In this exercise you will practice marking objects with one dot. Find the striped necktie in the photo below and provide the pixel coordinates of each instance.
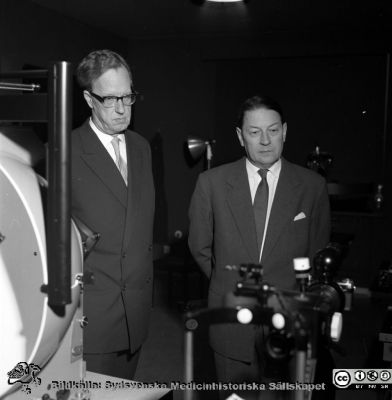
(121, 164)
(260, 205)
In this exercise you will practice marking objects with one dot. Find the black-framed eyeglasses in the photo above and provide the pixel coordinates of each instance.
(111, 101)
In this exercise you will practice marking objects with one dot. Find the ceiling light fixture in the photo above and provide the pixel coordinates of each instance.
(202, 2)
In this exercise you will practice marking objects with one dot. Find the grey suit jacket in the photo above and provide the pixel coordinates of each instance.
(223, 232)
(118, 301)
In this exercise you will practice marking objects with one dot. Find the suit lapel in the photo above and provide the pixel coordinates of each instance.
(282, 211)
(98, 159)
(135, 168)
(240, 204)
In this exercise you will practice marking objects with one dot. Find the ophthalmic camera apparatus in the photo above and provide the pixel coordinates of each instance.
(297, 322)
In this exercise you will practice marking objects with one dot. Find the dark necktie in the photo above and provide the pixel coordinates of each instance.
(260, 205)
(121, 164)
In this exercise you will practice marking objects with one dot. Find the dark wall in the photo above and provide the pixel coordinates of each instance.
(34, 35)
(335, 102)
(177, 100)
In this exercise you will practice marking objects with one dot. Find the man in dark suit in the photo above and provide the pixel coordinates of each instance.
(226, 226)
(113, 195)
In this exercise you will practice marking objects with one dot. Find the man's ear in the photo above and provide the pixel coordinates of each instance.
(239, 135)
(284, 131)
(88, 98)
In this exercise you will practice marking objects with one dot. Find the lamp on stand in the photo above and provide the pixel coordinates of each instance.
(198, 147)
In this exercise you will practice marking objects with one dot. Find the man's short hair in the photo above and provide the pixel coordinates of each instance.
(256, 102)
(97, 63)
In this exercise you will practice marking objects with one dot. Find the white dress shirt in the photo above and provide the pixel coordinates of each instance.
(272, 180)
(106, 140)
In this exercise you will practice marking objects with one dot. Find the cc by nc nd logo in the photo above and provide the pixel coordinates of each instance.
(341, 378)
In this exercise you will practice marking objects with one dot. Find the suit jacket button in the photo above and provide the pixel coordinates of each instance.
(150, 247)
(123, 255)
(124, 287)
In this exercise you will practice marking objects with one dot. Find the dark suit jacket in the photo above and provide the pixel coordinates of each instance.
(118, 301)
(222, 232)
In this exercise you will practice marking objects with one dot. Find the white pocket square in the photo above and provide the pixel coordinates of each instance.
(301, 215)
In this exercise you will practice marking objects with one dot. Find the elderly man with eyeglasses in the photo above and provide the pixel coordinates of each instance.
(113, 195)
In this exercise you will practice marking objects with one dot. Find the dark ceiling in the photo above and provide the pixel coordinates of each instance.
(173, 18)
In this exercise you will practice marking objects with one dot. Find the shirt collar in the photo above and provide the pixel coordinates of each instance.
(104, 137)
(274, 168)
